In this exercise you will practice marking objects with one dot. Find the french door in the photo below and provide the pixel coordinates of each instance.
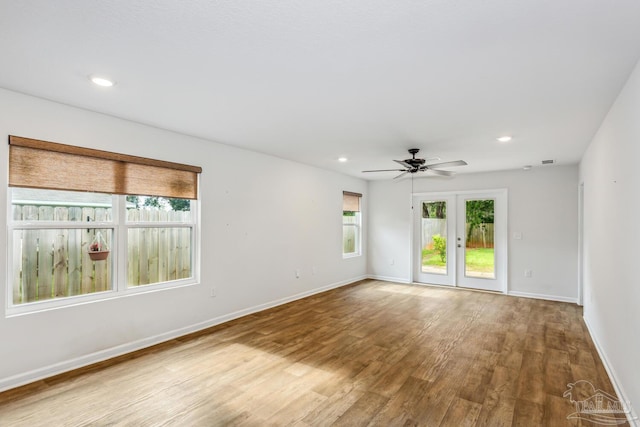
(460, 239)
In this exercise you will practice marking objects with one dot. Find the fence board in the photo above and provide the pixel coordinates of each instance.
(87, 284)
(163, 247)
(17, 257)
(143, 276)
(480, 237)
(173, 239)
(163, 254)
(152, 245)
(46, 239)
(102, 270)
(186, 253)
(29, 257)
(75, 254)
(60, 254)
(133, 243)
(431, 227)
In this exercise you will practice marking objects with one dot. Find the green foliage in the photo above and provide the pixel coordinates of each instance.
(440, 245)
(477, 260)
(135, 200)
(431, 258)
(152, 202)
(434, 210)
(479, 212)
(480, 260)
(160, 202)
(180, 204)
(348, 213)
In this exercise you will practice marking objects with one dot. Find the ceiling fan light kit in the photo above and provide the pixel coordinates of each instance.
(414, 165)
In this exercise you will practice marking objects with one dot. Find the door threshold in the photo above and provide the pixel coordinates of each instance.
(460, 288)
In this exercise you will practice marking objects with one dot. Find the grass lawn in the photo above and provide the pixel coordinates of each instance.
(480, 260)
(432, 258)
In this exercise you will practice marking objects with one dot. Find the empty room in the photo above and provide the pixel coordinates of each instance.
(316, 213)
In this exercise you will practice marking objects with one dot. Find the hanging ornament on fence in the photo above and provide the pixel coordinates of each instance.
(98, 249)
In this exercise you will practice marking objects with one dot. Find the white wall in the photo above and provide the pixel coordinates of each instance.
(262, 218)
(611, 175)
(543, 206)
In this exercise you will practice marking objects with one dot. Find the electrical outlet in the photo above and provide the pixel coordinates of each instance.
(297, 273)
(528, 273)
(213, 292)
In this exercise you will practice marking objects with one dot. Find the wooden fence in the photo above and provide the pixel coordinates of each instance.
(349, 230)
(481, 236)
(54, 262)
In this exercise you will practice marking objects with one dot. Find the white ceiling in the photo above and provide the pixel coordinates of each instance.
(314, 80)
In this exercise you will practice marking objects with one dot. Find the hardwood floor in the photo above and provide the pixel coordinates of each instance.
(373, 353)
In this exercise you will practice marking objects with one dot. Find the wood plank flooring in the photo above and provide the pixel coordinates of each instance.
(373, 353)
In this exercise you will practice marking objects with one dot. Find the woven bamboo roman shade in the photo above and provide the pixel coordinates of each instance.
(49, 165)
(351, 201)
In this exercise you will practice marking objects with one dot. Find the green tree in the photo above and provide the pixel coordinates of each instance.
(478, 212)
(153, 202)
(135, 200)
(434, 210)
(180, 204)
(160, 203)
(440, 245)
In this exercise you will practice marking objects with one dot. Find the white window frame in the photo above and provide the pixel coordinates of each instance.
(119, 244)
(358, 231)
(358, 236)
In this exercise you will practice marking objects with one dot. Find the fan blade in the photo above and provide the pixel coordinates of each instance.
(401, 175)
(440, 173)
(403, 163)
(385, 170)
(447, 164)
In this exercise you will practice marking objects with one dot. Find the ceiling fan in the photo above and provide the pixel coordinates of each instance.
(414, 165)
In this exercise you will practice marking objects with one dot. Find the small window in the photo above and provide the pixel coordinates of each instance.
(159, 239)
(78, 231)
(51, 233)
(351, 224)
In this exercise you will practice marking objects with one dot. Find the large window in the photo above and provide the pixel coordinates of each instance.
(351, 224)
(66, 246)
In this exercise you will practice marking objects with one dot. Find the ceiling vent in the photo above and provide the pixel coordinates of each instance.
(548, 162)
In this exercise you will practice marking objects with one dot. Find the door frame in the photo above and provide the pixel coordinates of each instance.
(450, 278)
(501, 231)
(580, 244)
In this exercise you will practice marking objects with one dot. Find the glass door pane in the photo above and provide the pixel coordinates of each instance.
(479, 253)
(434, 237)
(434, 252)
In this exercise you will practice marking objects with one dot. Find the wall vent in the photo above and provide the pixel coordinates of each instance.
(548, 162)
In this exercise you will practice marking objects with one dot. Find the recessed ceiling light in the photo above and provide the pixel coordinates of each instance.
(342, 159)
(101, 81)
(504, 138)
(527, 167)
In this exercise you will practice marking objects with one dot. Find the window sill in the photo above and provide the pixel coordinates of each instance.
(354, 255)
(55, 304)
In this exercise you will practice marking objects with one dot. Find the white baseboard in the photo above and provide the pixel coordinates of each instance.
(110, 353)
(389, 279)
(633, 416)
(542, 296)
